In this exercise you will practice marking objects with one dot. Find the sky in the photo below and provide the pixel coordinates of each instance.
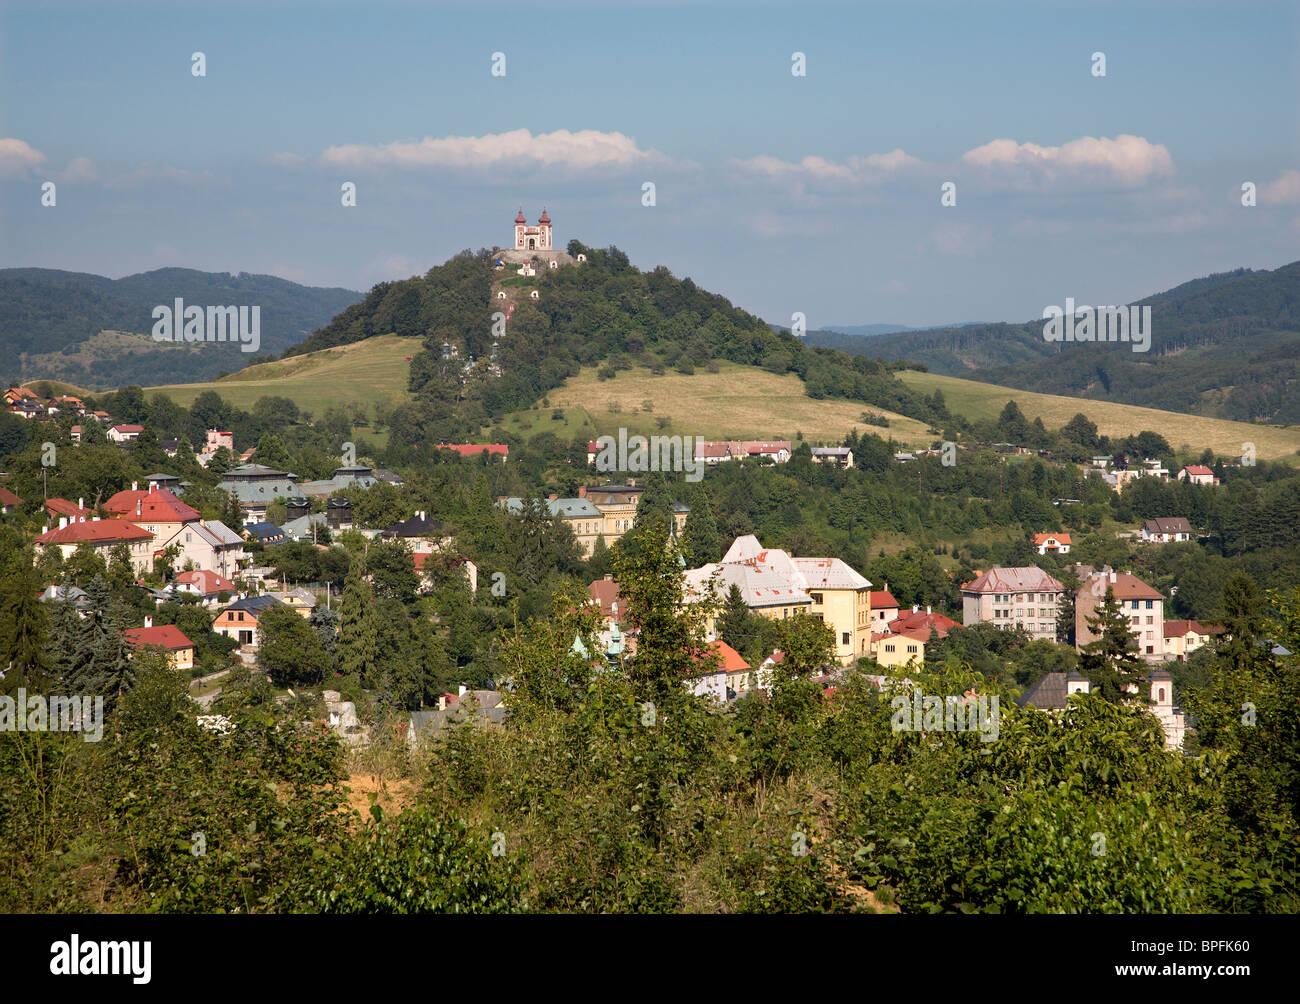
(817, 193)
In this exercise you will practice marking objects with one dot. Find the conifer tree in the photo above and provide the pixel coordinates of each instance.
(1111, 661)
(23, 630)
(703, 543)
(358, 644)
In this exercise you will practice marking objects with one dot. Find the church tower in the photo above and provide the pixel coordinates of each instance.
(536, 238)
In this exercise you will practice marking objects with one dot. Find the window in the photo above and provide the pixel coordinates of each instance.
(844, 638)
(911, 648)
(1150, 619)
(1148, 604)
(1161, 695)
(889, 648)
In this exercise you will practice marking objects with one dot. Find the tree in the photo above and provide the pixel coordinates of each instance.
(23, 630)
(703, 544)
(1111, 661)
(358, 645)
(290, 648)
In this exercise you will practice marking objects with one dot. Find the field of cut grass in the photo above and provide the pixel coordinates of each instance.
(366, 372)
(737, 402)
(1193, 432)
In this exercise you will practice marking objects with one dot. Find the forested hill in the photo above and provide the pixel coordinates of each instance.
(50, 320)
(602, 311)
(1226, 345)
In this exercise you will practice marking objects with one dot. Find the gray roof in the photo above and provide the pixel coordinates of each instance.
(570, 507)
(1049, 692)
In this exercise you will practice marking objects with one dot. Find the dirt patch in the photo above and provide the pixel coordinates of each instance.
(390, 795)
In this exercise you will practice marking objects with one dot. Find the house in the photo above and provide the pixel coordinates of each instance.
(301, 600)
(841, 456)
(170, 638)
(1024, 596)
(168, 481)
(207, 585)
(384, 474)
(1166, 529)
(1197, 474)
(217, 438)
(124, 433)
(927, 621)
(725, 673)
(1051, 694)
(1142, 605)
(473, 449)
(211, 545)
(239, 620)
(605, 594)
(899, 648)
(1182, 638)
(305, 527)
(26, 409)
(884, 608)
(8, 501)
(266, 534)
(356, 475)
(102, 535)
(205, 544)
(256, 486)
(66, 594)
(481, 707)
(775, 584)
(1052, 543)
(423, 535)
(57, 507)
(607, 510)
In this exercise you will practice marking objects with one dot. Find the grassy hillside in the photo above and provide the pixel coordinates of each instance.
(364, 372)
(737, 402)
(982, 400)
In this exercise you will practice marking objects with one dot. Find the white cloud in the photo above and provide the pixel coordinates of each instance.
(586, 149)
(18, 159)
(855, 170)
(1284, 191)
(1125, 160)
(79, 171)
(958, 238)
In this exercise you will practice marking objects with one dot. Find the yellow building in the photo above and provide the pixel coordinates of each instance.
(776, 585)
(899, 649)
(607, 510)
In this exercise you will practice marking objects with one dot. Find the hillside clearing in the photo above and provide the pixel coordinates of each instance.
(983, 400)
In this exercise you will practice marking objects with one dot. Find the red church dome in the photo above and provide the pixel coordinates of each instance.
(544, 218)
(520, 217)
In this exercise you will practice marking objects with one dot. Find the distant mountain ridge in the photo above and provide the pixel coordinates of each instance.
(50, 323)
(1225, 345)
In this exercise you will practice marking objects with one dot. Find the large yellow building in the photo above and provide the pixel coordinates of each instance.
(605, 510)
(777, 585)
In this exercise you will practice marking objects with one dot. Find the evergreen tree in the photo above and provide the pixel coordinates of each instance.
(734, 621)
(600, 563)
(654, 513)
(1111, 661)
(358, 644)
(23, 630)
(703, 543)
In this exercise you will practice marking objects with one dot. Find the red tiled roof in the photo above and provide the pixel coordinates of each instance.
(9, 498)
(1043, 538)
(921, 621)
(469, 449)
(208, 583)
(169, 636)
(159, 505)
(94, 531)
(606, 593)
(1198, 469)
(882, 598)
(1177, 629)
(732, 661)
(1130, 587)
(1029, 578)
(62, 507)
(129, 428)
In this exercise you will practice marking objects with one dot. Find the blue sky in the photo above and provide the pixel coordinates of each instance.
(818, 194)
